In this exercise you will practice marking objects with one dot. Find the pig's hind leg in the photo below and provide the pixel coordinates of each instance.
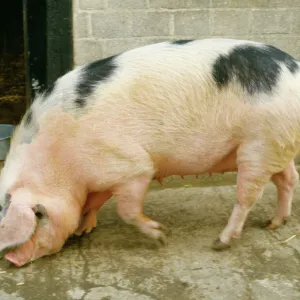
(285, 182)
(130, 197)
(251, 178)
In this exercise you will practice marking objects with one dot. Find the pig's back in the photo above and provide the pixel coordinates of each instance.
(213, 88)
(195, 101)
(209, 64)
(167, 91)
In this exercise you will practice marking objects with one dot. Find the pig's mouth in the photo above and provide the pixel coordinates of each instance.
(19, 240)
(22, 254)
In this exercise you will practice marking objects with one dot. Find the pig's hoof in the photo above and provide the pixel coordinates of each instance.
(88, 223)
(236, 234)
(219, 245)
(156, 231)
(167, 231)
(270, 225)
(81, 232)
(160, 235)
(273, 224)
(161, 239)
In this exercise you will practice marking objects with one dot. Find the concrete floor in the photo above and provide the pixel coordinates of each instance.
(115, 262)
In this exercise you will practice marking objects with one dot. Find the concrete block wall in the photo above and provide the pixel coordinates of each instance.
(106, 27)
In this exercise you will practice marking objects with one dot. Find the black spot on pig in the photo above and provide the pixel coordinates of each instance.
(181, 42)
(31, 126)
(80, 102)
(5, 206)
(48, 91)
(284, 58)
(256, 69)
(93, 73)
(28, 118)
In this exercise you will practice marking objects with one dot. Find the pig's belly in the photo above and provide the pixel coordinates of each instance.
(199, 164)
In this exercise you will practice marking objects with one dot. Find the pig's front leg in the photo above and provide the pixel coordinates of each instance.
(88, 222)
(89, 213)
(285, 183)
(130, 197)
(250, 184)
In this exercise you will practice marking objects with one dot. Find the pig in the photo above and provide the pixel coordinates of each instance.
(109, 127)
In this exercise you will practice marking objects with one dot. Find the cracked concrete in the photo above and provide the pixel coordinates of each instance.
(115, 262)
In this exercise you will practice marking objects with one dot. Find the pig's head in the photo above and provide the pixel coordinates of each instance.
(32, 226)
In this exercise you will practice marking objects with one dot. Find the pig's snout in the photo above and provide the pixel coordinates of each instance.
(30, 229)
(21, 255)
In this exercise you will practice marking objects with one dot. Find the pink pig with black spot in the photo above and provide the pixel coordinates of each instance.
(174, 108)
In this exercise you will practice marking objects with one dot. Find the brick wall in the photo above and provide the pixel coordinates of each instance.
(107, 27)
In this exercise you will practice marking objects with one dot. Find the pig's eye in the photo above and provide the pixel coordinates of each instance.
(40, 211)
(39, 215)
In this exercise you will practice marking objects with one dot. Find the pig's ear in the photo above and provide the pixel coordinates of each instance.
(40, 211)
(16, 226)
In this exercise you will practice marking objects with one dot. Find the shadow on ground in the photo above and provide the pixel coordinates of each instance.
(116, 262)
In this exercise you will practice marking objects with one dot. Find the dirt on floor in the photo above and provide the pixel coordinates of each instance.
(115, 262)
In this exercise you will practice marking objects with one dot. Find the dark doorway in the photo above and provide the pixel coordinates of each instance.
(12, 63)
(36, 47)
(48, 42)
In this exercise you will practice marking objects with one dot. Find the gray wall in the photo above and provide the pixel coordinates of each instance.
(107, 27)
